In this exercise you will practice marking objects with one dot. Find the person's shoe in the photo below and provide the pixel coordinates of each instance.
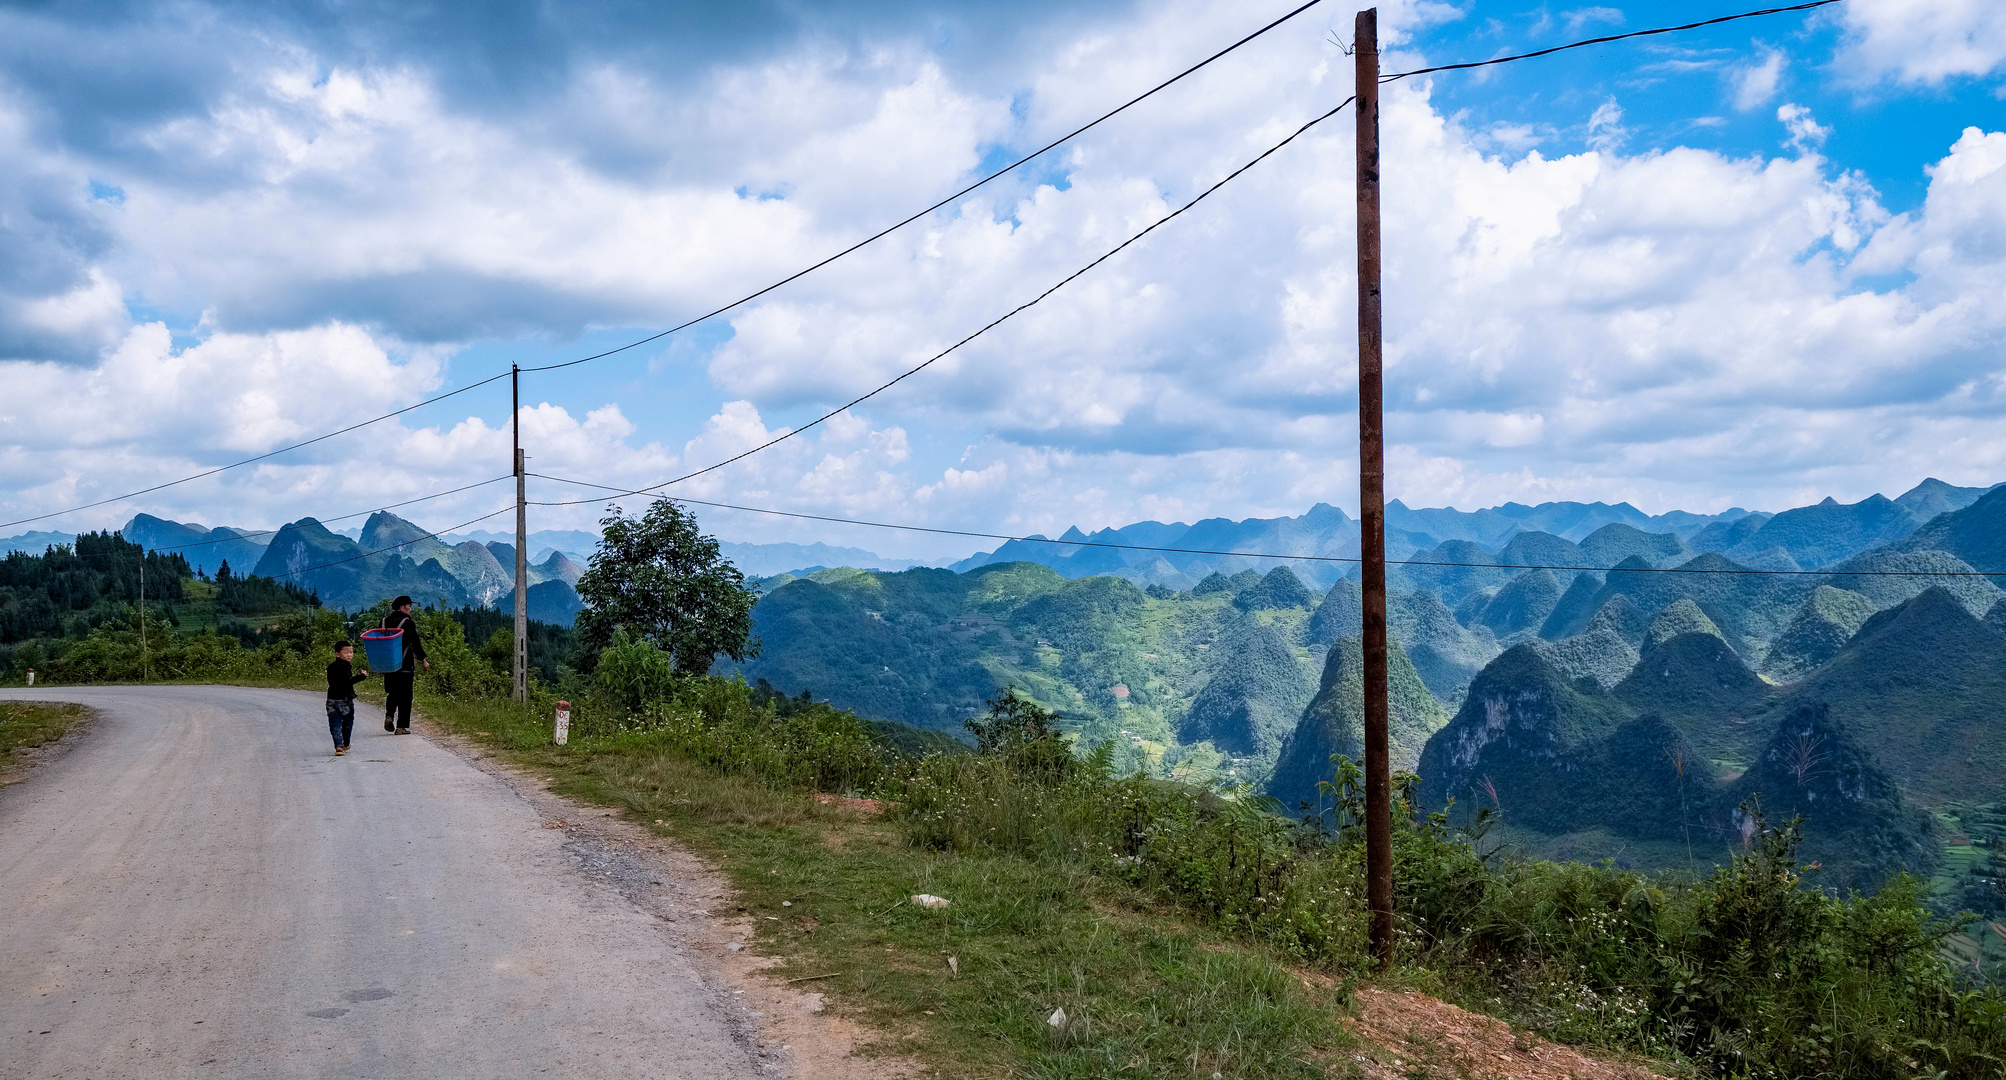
(387, 725)
(340, 750)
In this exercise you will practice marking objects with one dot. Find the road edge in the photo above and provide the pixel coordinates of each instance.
(705, 916)
(26, 760)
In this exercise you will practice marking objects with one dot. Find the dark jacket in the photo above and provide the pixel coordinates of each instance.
(341, 680)
(414, 650)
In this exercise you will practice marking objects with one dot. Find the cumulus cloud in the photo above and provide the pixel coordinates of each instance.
(1671, 326)
(55, 298)
(1924, 41)
(149, 411)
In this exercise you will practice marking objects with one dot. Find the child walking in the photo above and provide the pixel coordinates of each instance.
(341, 680)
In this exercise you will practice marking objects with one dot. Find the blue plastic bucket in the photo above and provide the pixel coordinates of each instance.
(385, 649)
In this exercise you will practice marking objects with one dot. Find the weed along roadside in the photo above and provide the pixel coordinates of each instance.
(1181, 933)
(969, 987)
(29, 729)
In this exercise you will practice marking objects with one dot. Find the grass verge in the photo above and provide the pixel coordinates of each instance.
(25, 725)
(1144, 993)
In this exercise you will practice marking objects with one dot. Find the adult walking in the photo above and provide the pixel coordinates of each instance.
(397, 685)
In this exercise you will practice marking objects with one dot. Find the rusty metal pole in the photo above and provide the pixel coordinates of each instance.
(1372, 496)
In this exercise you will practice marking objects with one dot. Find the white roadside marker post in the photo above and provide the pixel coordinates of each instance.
(563, 722)
(31, 676)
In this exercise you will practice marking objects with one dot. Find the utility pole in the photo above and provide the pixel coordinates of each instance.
(521, 544)
(144, 660)
(1372, 495)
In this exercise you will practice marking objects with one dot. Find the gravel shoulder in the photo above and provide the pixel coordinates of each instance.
(662, 877)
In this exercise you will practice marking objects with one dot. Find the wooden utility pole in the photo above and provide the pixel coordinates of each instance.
(1372, 496)
(521, 662)
(145, 662)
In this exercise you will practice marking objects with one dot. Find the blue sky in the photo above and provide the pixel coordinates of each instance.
(1752, 265)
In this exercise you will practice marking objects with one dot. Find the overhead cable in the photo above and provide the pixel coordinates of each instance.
(992, 324)
(874, 237)
(1728, 570)
(393, 547)
(916, 216)
(271, 532)
(1229, 177)
(903, 222)
(1605, 40)
(936, 206)
(260, 457)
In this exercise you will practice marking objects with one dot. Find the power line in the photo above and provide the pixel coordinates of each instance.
(993, 324)
(273, 532)
(1605, 40)
(880, 234)
(916, 216)
(1729, 570)
(1208, 191)
(393, 547)
(937, 205)
(903, 222)
(260, 457)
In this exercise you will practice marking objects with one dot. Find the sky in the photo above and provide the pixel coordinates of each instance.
(1751, 266)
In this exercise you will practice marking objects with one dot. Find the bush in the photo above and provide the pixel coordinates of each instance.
(1024, 737)
(295, 647)
(1745, 972)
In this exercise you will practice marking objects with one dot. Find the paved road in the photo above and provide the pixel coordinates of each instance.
(200, 889)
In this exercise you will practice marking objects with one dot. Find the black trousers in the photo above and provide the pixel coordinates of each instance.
(397, 687)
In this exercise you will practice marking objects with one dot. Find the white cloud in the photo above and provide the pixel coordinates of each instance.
(1605, 127)
(1674, 327)
(1755, 83)
(1806, 133)
(1924, 41)
(149, 412)
(1582, 18)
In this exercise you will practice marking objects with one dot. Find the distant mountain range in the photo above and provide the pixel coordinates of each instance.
(770, 560)
(1806, 538)
(472, 570)
(1619, 688)
(457, 569)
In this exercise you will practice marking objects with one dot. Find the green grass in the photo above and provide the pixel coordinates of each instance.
(25, 725)
(1190, 934)
(1149, 993)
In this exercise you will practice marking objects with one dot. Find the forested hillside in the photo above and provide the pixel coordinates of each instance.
(1626, 713)
(52, 601)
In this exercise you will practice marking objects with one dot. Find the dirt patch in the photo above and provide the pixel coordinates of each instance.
(1409, 1035)
(867, 806)
(784, 1017)
(20, 762)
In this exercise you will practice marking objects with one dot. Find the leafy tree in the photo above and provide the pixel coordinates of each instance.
(663, 582)
(1025, 736)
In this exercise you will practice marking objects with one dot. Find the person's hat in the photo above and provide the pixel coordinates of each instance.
(402, 601)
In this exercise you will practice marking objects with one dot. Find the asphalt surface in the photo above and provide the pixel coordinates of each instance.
(200, 889)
